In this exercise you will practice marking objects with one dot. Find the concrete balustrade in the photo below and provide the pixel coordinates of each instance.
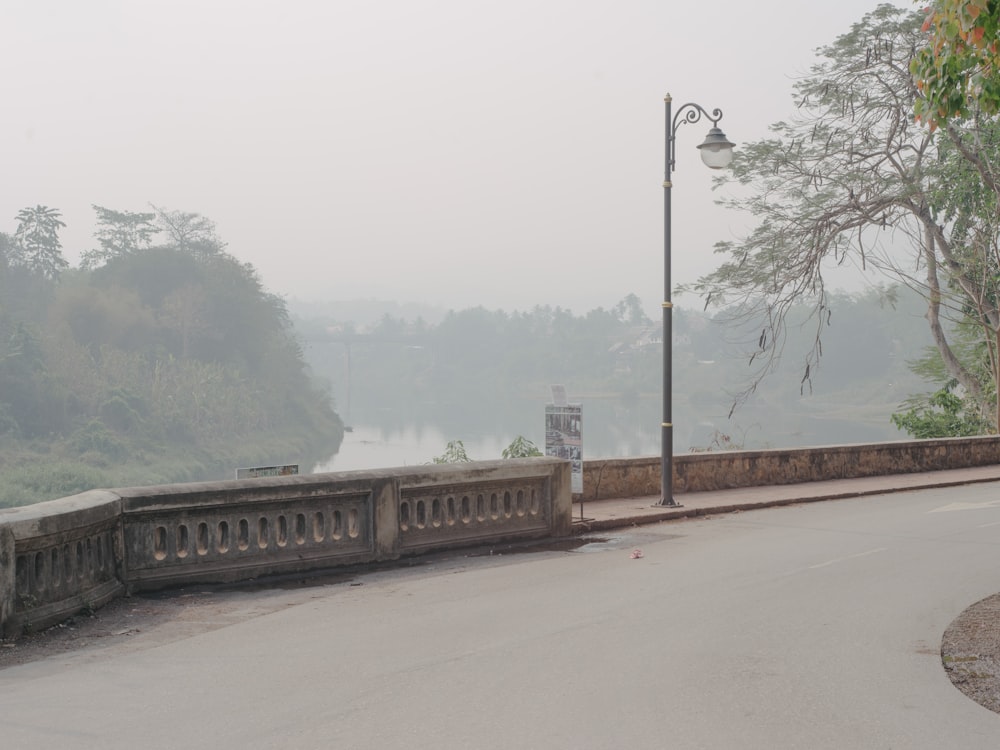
(63, 556)
(60, 557)
(432, 513)
(188, 533)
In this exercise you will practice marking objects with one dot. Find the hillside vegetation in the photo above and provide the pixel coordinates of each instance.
(154, 364)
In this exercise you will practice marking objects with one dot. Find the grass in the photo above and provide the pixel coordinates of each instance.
(33, 474)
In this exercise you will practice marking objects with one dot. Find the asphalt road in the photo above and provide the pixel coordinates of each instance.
(812, 626)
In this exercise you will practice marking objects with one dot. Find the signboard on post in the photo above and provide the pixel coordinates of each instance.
(564, 434)
(255, 472)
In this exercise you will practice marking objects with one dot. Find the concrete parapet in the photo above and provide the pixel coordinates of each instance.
(515, 499)
(8, 588)
(60, 557)
(231, 531)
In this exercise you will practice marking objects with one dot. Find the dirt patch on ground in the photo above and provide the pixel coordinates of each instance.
(146, 620)
(143, 621)
(970, 652)
(118, 621)
(132, 623)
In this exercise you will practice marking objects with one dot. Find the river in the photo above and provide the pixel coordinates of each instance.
(383, 437)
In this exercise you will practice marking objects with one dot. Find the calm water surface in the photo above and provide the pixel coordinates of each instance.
(383, 437)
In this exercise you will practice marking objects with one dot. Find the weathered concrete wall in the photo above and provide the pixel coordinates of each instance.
(514, 501)
(234, 530)
(230, 531)
(640, 477)
(66, 555)
(59, 557)
(8, 586)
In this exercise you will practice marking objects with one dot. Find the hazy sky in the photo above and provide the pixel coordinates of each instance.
(455, 152)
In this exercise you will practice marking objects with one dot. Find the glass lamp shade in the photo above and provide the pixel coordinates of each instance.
(716, 150)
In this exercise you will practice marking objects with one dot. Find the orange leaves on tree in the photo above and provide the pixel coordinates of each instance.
(962, 40)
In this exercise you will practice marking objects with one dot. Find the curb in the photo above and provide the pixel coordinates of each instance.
(587, 525)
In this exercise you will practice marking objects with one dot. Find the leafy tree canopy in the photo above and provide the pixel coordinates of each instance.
(119, 233)
(189, 232)
(36, 246)
(851, 179)
(958, 71)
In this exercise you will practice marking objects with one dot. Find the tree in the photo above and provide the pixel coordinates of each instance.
(189, 232)
(630, 311)
(853, 180)
(520, 447)
(36, 246)
(182, 311)
(27, 399)
(454, 453)
(968, 203)
(6, 255)
(943, 414)
(119, 233)
(958, 71)
(958, 76)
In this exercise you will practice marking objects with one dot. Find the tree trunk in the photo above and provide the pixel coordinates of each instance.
(951, 362)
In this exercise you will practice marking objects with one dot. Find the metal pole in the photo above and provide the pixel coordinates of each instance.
(716, 142)
(667, 427)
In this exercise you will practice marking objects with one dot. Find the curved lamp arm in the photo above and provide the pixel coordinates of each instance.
(716, 149)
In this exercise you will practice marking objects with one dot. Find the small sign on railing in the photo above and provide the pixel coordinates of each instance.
(564, 434)
(255, 472)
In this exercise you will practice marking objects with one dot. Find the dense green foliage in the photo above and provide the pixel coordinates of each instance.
(942, 414)
(156, 364)
(958, 70)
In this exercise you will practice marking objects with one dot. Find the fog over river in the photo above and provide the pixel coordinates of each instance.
(386, 437)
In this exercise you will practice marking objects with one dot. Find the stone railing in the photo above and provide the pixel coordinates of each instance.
(58, 558)
(77, 553)
(63, 556)
(693, 472)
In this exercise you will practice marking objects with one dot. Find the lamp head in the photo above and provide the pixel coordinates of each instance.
(716, 150)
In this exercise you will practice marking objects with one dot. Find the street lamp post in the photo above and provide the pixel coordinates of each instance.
(716, 152)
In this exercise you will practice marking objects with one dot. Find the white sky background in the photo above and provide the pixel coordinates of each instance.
(450, 152)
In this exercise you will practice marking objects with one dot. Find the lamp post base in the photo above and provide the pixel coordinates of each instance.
(669, 503)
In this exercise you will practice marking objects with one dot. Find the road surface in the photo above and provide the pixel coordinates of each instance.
(812, 626)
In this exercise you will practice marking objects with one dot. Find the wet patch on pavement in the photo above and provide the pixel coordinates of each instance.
(577, 544)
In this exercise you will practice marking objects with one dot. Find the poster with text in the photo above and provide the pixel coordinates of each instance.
(563, 438)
